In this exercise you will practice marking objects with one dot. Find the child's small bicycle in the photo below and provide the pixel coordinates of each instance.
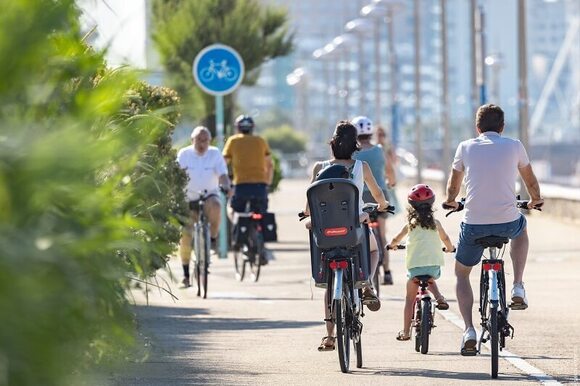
(423, 312)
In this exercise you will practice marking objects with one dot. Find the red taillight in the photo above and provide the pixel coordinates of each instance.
(332, 232)
(489, 267)
(338, 264)
(256, 216)
(373, 224)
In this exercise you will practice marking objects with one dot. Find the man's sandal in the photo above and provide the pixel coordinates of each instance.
(402, 336)
(325, 346)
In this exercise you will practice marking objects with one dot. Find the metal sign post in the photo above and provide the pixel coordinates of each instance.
(218, 70)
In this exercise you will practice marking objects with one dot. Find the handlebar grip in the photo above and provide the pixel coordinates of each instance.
(302, 216)
(400, 246)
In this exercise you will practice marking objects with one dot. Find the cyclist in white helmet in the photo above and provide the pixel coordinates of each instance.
(374, 155)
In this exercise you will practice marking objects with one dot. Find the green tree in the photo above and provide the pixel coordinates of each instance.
(285, 139)
(183, 28)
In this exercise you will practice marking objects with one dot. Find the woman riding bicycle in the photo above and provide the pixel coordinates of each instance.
(424, 255)
(374, 155)
(343, 144)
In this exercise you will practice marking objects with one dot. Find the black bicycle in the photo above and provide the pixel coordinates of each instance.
(249, 249)
(344, 295)
(201, 244)
(493, 307)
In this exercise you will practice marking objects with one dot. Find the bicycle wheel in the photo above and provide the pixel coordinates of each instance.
(197, 251)
(204, 263)
(494, 341)
(342, 331)
(425, 325)
(417, 326)
(258, 250)
(239, 264)
(358, 347)
(356, 330)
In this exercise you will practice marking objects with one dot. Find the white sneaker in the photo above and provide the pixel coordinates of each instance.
(519, 300)
(469, 342)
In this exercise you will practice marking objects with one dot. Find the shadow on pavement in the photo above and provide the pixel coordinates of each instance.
(178, 347)
(439, 374)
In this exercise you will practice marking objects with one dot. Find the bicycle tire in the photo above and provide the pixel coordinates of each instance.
(258, 248)
(239, 265)
(494, 341)
(342, 331)
(359, 358)
(204, 264)
(417, 326)
(425, 325)
(197, 251)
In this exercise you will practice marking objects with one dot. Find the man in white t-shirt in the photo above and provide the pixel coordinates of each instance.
(490, 164)
(207, 170)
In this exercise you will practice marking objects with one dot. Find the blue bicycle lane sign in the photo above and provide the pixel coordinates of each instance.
(218, 69)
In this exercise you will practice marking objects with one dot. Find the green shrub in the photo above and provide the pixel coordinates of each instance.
(285, 139)
(88, 193)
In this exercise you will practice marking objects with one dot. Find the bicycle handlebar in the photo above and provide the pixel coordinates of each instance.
(403, 246)
(371, 209)
(520, 204)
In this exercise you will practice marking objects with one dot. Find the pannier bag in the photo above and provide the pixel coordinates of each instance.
(241, 230)
(269, 228)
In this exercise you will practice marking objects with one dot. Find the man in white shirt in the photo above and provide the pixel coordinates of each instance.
(490, 164)
(207, 170)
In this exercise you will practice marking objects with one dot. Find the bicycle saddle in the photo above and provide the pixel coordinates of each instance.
(492, 241)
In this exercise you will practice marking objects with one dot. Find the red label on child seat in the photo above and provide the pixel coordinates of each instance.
(332, 232)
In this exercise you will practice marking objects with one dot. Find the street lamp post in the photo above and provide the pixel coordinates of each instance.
(378, 11)
(495, 63)
(418, 128)
(392, 6)
(360, 27)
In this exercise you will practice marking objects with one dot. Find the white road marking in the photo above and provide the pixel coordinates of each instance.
(514, 359)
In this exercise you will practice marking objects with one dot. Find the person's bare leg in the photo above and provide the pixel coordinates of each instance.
(519, 254)
(213, 213)
(329, 324)
(434, 289)
(412, 288)
(464, 293)
(383, 233)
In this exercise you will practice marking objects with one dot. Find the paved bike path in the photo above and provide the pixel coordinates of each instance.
(267, 332)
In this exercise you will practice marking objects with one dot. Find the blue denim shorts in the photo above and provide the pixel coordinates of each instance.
(469, 253)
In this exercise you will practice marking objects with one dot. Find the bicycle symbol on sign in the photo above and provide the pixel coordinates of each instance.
(220, 70)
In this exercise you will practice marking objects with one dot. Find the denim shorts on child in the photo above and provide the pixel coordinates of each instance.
(469, 253)
(432, 270)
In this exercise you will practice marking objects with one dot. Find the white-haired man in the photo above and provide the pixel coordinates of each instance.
(207, 170)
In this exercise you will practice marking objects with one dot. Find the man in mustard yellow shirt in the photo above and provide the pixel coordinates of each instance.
(251, 165)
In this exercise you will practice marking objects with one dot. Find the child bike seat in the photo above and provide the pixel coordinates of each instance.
(334, 212)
